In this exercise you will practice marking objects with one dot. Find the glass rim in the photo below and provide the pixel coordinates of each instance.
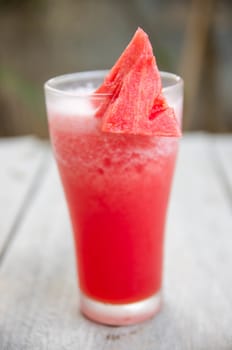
(48, 85)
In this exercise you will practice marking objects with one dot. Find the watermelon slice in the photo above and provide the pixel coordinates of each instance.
(116, 118)
(139, 45)
(135, 104)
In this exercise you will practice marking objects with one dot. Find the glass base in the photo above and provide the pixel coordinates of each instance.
(120, 314)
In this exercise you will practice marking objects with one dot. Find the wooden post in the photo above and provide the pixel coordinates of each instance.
(199, 23)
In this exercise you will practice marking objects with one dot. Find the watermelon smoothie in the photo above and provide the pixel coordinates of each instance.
(117, 188)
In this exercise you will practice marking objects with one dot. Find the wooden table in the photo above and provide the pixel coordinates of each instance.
(38, 293)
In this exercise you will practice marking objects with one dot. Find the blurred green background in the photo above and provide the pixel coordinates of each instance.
(43, 38)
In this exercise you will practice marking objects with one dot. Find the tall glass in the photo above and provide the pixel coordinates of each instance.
(117, 188)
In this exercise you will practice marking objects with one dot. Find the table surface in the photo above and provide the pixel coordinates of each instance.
(38, 292)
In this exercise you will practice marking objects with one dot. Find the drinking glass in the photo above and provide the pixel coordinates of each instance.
(117, 188)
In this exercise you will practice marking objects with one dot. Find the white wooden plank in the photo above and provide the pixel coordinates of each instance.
(223, 146)
(198, 251)
(20, 160)
(39, 302)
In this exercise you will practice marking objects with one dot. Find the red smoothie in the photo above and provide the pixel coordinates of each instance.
(117, 188)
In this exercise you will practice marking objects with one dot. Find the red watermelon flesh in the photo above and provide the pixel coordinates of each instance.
(116, 118)
(135, 104)
(139, 45)
(160, 123)
(159, 105)
(162, 120)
